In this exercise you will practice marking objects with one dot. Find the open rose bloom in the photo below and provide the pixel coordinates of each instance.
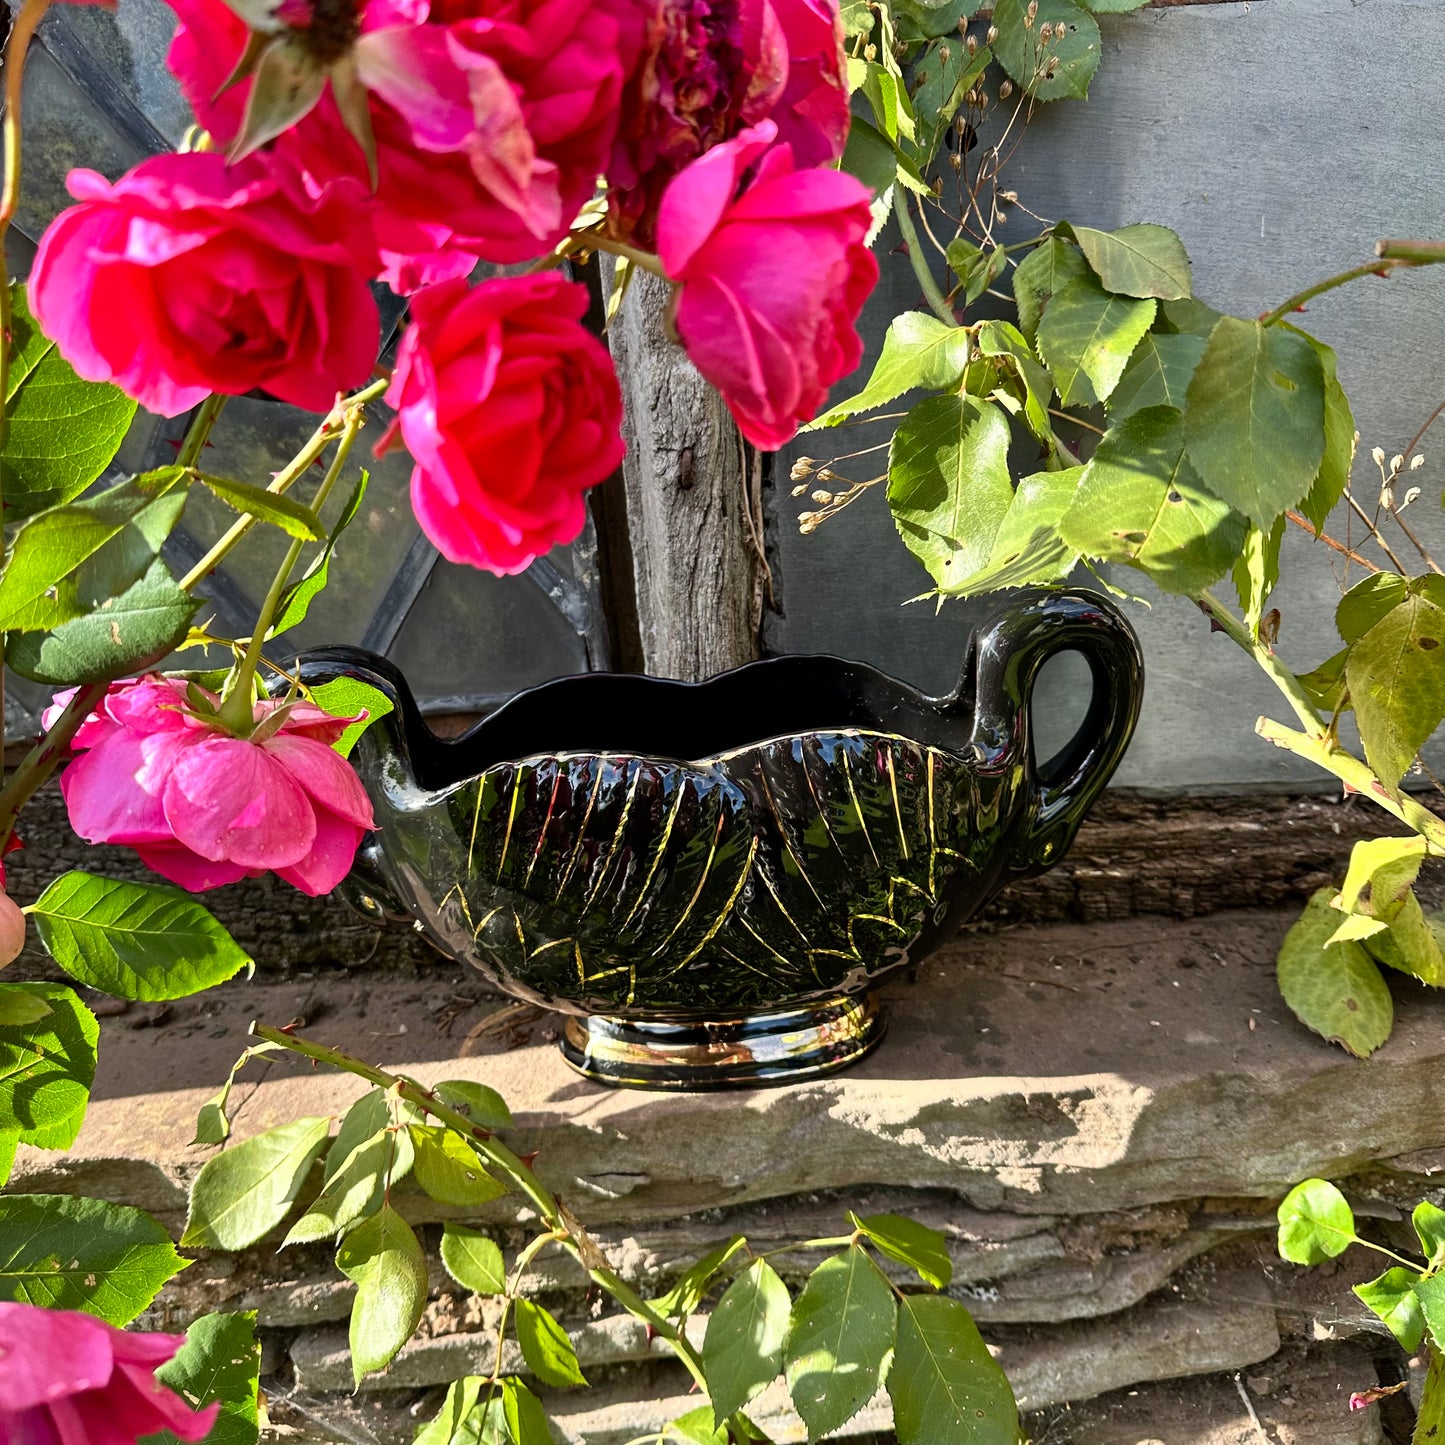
(203, 807)
(69, 1379)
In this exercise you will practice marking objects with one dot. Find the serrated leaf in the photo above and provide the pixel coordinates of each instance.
(545, 1346)
(1087, 336)
(918, 351)
(466, 1417)
(696, 1428)
(1048, 269)
(1431, 1295)
(1114, 7)
(64, 1253)
(685, 1296)
(1157, 374)
(356, 1186)
(1143, 260)
(60, 432)
(1339, 454)
(522, 1410)
(942, 76)
(382, 1258)
(296, 600)
(1334, 989)
(1397, 684)
(870, 156)
(68, 560)
(483, 1105)
(448, 1168)
(1254, 417)
(1029, 381)
(1316, 1223)
(948, 483)
(1140, 502)
(1326, 684)
(346, 697)
(1429, 1222)
(47, 1066)
(945, 1386)
(143, 941)
(840, 1340)
(923, 1250)
(220, 1361)
(473, 1260)
(245, 1191)
(1392, 1297)
(1028, 548)
(292, 517)
(975, 268)
(124, 635)
(743, 1349)
(923, 18)
(1076, 48)
(1411, 943)
(1385, 868)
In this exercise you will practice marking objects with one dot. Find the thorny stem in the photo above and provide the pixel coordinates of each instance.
(937, 301)
(1263, 654)
(507, 1164)
(1411, 253)
(296, 468)
(1298, 300)
(40, 761)
(199, 430)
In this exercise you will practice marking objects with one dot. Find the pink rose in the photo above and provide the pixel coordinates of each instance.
(492, 120)
(188, 276)
(812, 112)
(772, 273)
(69, 1379)
(511, 410)
(203, 807)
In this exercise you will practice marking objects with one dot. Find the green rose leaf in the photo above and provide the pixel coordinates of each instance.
(220, 1361)
(1392, 1297)
(347, 697)
(1140, 502)
(123, 635)
(144, 941)
(1114, 7)
(1254, 417)
(522, 1410)
(1339, 456)
(355, 1185)
(47, 1065)
(448, 1168)
(296, 600)
(1029, 383)
(975, 268)
(942, 76)
(840, 1340)
(1058, 70)
(18, 1005)
(473, 1260)
(60, 432)
(918, 351)
(1256, 571)
(743, 1349)
(923, 1250)
(1087, 337)
(1028, 547)
(948, 483)
(1429, 1222)
(1041, 275)
(545, 1346)
(1333, 988)
(697, 1428)
(67, 561)
(1157, 374)
(484, 1106)
(944, 1384)
(467, 1417)
(108, 1260)
(685, 1296)
(291, 516)
(1144, 260)
(1431, 1294)
(245, 1191)
(1316, 1223)
(1396, 682)
(1368, 602)
(382, 1258)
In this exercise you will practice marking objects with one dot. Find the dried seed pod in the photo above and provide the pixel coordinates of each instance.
(992, 35)
(822, 498)
(1417, 461)
(1006, 89)
(1377, 455)
(801, 468)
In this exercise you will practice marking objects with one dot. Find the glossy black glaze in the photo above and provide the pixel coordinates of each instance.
(831, 824)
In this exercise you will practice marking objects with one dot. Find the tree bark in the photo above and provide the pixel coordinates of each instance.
(694, 515)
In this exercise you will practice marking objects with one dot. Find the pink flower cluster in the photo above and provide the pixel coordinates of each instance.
(68, 1379)
(446, 132)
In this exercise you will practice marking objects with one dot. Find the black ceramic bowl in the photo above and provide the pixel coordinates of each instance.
(710, 877)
